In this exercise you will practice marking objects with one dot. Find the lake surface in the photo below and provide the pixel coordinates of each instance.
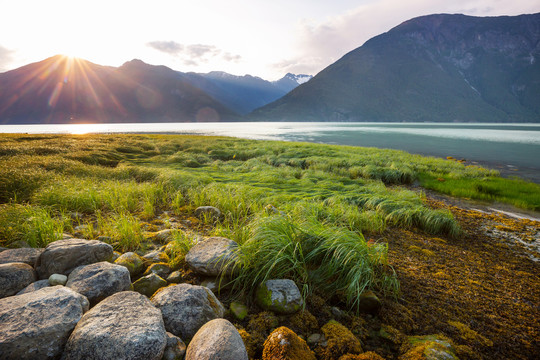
(513, 149)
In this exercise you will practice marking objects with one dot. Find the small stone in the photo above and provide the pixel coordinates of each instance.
(217, 339)
(14, 277)
(156, 257)
(175, 348)
(281, 296)
(240, 311)
(368, 302)
(186, 308)
(175, 277)
(57, 279)
(133, 262)
(283, 343)
(160, 269)
(149, 284)
(40, 284)
(164, 235)
(208, 212)
(314, 339)
(23, 255)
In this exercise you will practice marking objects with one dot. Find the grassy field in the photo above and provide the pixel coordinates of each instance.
(290, 206)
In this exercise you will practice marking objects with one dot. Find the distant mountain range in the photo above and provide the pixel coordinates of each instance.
(67, 90)
(431, 68)
(441, 68)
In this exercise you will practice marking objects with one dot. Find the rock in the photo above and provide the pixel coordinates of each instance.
(115, 256)
(368, 302)
(14, 277)
(160, 269)
(240, 311)
(62, 256)
(175, 348)
(35, 326)
(217, 339)
(156, 257)
(315, 339)
(212, 256)
(368, 355)
(207, 212)
(57, 279)
(40, 284)
(428, 347)
(22, 255)
(133, 262)
(186, 308)
(175, 277)
(212, 284)
(283, 343)
(281, 296)
(123, 326)
(149, 284)
(98, 281)
(339, 341)
(164, 236)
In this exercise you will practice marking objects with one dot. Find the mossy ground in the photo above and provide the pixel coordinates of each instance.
(462, 273)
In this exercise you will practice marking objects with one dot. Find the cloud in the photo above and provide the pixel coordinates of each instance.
(169, 47)
(6, 57)
(193, 54)
(322, 43)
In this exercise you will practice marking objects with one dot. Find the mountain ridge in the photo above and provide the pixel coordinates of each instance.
(432, 68)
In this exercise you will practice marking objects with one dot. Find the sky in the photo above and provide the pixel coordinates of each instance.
(265, 38)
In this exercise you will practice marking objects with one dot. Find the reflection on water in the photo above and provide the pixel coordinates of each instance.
(510, 148)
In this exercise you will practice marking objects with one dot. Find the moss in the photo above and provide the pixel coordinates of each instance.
(469, 335)
(429, 347)
(369, 355)
(260, 326)
(340, 341)
(358, 327)
(251, 347)
(391, 334)
(284, 344)
(304, 322)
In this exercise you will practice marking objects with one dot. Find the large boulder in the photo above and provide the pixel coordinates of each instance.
(212, 256)
(23, 255)
(186, 308)
(62, 256)
(37, 325)
(133, 262)
(281, 296)
(100, 280)
(14, 277)
(123, 326)
(283, 343)
(40, 284)
(217, 339)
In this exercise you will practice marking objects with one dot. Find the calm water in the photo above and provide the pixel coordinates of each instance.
(513, 149)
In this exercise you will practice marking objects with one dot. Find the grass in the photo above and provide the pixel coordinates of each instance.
(301, 211)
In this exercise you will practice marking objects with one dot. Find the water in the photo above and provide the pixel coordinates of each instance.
(513, 149)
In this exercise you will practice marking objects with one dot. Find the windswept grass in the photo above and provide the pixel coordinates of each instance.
(315, 255)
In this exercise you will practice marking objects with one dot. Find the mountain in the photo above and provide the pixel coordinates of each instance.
(244, 93)
(65, 90)
(291, 81)
(431, 68)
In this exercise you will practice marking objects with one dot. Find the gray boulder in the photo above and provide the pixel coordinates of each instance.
(123, 326)
(281, 296)
(40, 284)
(100, 280)
(186, 308)
(62, 256)
(23, 255)
(37, 325)
(217, 339)
(211, 256)
(175, 349)
(208, 212)
(14, 277)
